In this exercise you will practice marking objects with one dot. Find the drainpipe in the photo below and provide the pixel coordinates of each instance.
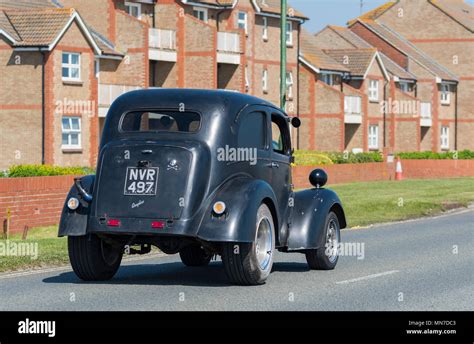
(456, 117)
(43, 109)
(284, 8)
(385, 93)
(298, 88)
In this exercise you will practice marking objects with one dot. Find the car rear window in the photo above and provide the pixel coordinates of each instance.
(168, 121)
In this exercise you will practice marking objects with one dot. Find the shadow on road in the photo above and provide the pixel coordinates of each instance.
(174, 273)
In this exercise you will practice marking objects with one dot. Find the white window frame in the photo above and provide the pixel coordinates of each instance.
(130, 5)
(243, 22)
(198, 11)
(265, 29)
(289, 85)
(444, 137)
(373, 136)
(71, 131)
(69, 65)
(265, 80)
(445, 95)
(373, 90)
(247, 79)
(289, 33)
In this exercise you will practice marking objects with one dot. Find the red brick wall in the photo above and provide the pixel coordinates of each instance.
(412, 169)
(33, 201)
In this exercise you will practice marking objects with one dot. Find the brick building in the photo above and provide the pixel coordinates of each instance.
(70, 69)
(449, 40)
(415, 115)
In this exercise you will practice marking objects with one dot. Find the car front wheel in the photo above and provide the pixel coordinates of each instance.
(251, 263)
(325, 258)
(92, 259)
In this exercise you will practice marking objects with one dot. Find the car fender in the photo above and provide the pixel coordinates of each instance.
(242, 196)
(311, 207)
(74, 222)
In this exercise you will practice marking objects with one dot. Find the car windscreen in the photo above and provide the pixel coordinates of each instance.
(167, 121)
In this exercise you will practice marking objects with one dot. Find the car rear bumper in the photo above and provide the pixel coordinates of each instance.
(140, 226)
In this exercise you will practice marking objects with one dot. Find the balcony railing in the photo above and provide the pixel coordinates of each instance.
(108, 93)
(425, 114)
(352, 109)
(228, 47)
(162, 39)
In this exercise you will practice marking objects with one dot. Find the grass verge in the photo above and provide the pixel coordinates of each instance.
(364, 204)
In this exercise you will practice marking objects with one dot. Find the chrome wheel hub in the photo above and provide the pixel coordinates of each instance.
(263, 245)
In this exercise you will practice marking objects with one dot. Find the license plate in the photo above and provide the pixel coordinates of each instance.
(141, 181)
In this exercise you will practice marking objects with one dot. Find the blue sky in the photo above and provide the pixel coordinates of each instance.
(335, 12)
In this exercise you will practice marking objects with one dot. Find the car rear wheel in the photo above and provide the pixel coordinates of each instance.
(92, 259)
(251, 263)
(194, 255)
(325, 258)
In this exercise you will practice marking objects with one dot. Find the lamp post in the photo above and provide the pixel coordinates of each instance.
(283, 55)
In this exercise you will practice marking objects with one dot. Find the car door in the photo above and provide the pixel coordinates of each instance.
(253, 136)
(281, 167)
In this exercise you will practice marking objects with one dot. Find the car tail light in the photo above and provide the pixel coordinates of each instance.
(158, 224)
(113, 223)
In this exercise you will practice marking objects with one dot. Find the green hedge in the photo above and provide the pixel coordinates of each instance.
(463, 155)
(44, 170)
(309, 158)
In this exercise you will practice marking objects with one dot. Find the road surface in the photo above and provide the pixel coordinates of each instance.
(425, 264)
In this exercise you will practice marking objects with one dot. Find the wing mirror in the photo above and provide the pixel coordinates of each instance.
(295, 122)
(318, 178)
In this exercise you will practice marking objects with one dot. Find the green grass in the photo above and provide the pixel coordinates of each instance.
(376, 202)
(52, 251)
(364, 204)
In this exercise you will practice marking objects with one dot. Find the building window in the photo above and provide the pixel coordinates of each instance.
(200, 13)
(265, 29)
(71, 132)
(242, 21)
(265, 80)
(289, 85)
(247, 79)
(444, 137)
(289, 33)
(71, 67)
(445, 95)
(373, 137)
(374, 90)
(134, 9)
(328, 79)
(404, 86)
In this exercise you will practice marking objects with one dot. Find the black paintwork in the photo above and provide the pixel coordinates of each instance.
(200, 179)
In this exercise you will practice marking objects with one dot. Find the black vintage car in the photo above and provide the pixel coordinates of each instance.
(199, 173)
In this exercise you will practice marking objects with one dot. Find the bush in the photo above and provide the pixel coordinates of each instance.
(309, 158)
(463, 155)
(45, 170)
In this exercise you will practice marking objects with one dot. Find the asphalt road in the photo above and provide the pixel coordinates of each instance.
(424, 264)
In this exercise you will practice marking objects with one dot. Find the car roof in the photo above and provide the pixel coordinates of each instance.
(203, 101)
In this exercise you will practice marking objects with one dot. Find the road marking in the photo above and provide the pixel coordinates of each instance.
(363, 278)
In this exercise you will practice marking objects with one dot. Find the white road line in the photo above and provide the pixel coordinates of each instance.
(363, 278)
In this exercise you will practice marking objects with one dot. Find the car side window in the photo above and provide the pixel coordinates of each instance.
(252, 130)
(280, 135)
